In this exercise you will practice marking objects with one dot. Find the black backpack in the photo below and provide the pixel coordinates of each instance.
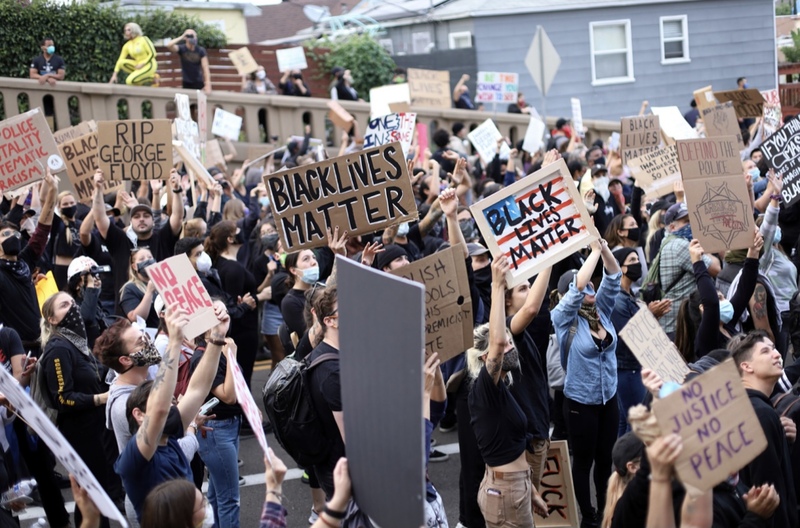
(288, 403)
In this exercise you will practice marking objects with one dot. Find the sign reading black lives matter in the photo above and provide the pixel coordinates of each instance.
(359, 193)
(782, 151)
(536, 222)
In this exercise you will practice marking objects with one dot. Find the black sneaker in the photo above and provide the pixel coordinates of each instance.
(438, 456)
(63, 482)
(448, 423)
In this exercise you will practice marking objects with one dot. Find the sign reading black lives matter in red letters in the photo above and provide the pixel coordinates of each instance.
(782, 151)
(359, 193)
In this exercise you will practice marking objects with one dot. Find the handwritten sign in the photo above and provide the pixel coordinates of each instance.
(245, 399)
(656, 171)
(243, 61)
(192, 164)
(430, 88)
(186, 130)
(81, 129)
(80, 155)
(484, 138)
(720, 120)
(178, 283)
(652, 347)
(495, 87)
(716, 193)
(226, 124)
(640, 135)
(26, 148)
(782, 151)
(535, 222)
(135, 149)
(360, 193)
(339, 116)
(61, 448)
(214, 154)
(390, 128)
(381, 97)
(448, 304)
(720, 430)
(534, 141)
(704, 98)
(557, 490)
(747, 103)
(673, 125)
(577, 116)
(291, 59)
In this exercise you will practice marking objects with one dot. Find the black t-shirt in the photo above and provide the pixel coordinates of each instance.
(326, 394)
(497, 421)
(222, 410)
(45, 66)
(292, 308)
(98, 251)
(131, 297)
(530, 387)
(191, 68)
(10, 346)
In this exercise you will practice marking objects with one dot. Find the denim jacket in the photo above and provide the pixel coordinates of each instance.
(591, 372)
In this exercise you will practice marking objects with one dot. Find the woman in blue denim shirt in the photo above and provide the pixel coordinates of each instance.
(590, 387)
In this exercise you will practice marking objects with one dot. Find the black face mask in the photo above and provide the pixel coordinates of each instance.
(141, 267)
(11, 246)
(634, 271)
(633, 234)
(174, 424)
(70, 211)
(73, 321)
(483, 277)
(270, 241)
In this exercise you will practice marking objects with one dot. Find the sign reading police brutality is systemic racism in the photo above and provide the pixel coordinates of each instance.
(26, 148)
(535, 222)
(80, 155)
(782, 151)
(359, 193)
(720, 430)
(448, 304)
(640, 135)
(135, 149)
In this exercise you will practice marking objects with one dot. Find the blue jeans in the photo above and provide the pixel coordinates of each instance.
(220, 452)
(630, 392)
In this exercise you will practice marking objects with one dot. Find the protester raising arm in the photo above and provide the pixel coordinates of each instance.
(176, 216)
(35, 247)
(662, 454)
(332, 515)
(99, 206)
(449, 204)
(497, 319)
(533, 302)
(274, 514)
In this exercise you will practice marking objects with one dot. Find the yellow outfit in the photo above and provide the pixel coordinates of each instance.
(141, 51)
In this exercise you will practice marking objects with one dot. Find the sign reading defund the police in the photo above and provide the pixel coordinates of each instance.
(720, 430)
(782, 151)
(535, 222)
(358, 193)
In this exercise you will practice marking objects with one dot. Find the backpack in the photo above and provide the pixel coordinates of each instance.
(184, 373)
(39, 392)
(652, 290)
(793, 323)
(786, 403)
(288, 403)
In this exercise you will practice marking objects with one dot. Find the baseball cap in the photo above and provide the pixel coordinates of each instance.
(79, 264)
(158, 304)
(676, 212)
(626, 449)
(141, 207)
(476, 249)
(113, 209)
(599, 167)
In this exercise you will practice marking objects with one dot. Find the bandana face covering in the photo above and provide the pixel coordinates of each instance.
(589, 312)
(147, 355)
(73, 321)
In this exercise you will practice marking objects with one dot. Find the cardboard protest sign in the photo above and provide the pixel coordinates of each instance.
(720, 120)
(495, 87)
(360, 193)
(226, 124)
(214, 154)
(747, 103)
(81, 129)
(720, 430)
(26, 148)
(673, 125)
(534, 136)
(186, 130)
(704, 98)
(399, 108)
(339, 116)
(381, 97)
(484, 138)
(80, 156)
(193, 164)
(389, 489)
(652, 347)
(577, 116)
(657, 171)
(390, 128)
(557, 490)
(243, 61)
(430, 88)
(716, 193)
(245, 400)
(782, 151)
(448, 304)
(291, 59)
(33, 415)
(535, 222)
(138, 149)
(202, 115)
(640, 135)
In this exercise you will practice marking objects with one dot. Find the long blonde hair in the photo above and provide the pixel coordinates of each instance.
(480, 338)
(233, 210)
(132, 277)
(48, 311)
(653, 226)
(616, 487)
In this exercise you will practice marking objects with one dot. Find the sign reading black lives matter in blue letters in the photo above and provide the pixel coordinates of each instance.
(359, 193)
(782, 151)
(536, 222)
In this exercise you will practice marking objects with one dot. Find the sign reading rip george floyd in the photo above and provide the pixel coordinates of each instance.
(535, 222)
(429, 88)
(720, 430)
(657, 171)
(747, 103)
(782, 151)
(640, 135)
(360, 193)
(652, 347)
(135, 149)
(448, 304)
(390, 128)
(557, 490)
(80, 156)
(26, 146)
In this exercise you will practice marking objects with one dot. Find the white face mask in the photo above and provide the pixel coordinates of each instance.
(402, 229)
(261, 74)
(601, 186)
(208, 518)
(203, 262)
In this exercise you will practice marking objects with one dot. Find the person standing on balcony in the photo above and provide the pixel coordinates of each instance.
(48, 67)
(292, 83)
(342, 87)
(137, 59)
(194, 61)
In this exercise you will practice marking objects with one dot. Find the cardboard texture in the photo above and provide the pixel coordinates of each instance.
(27, 147)
(704, 98)
(214, 154)
(640, 135)
(80, 157)
(484, 138)
(747, 103)
(257, 151)
(716, 193)
(429, 88)
(673, 125)
(390, 128)
(652, 347)
(782, 150)
(657, 171)
(535, 222)
(177, 282)
(193, 164)
(399, 108)
(202, 115)
(534, 141)
(496, 87)
(577, 116)
(243, 61)
(448, 303)
(381, 97)
(359, 193)
(339, 116)
(291, 59)
(33, 415)
(138, 149)
(720, 120)
(245, 399)
(81, 129)
(557, 490)
(226, 124)
(720, 430)
(390, 489)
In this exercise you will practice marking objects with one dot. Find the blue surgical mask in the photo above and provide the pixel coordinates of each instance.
(311, 275)
(778, 233)
(725, 311)
(51, 50)
(402, 229)
(264, 201)
(755, 174)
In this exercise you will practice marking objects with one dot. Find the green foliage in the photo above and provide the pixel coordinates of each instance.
(783, 9)
(369, 63)
(89, 35)
(792, 53)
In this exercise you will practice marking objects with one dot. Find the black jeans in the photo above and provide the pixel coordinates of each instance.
(472, 465)
(592, 434)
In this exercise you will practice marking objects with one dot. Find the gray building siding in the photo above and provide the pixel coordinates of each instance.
(439, 34)
(727, 39)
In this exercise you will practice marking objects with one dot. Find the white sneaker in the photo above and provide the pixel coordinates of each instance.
(313, 517)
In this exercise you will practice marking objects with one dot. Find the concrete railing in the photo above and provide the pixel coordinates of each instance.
(265, 117)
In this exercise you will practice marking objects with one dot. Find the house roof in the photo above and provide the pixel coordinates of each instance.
(246, 8)
(287, 18)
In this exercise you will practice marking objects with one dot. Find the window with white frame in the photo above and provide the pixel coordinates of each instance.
(612, 53)
(460, 39)
(420, 42)
(674, 39)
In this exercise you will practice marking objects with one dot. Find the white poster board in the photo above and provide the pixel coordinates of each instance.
(673, 124)
(245, 399)
(381, 97)
(226, 124)
(534, 136)
(484, 138)
(291, 59)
